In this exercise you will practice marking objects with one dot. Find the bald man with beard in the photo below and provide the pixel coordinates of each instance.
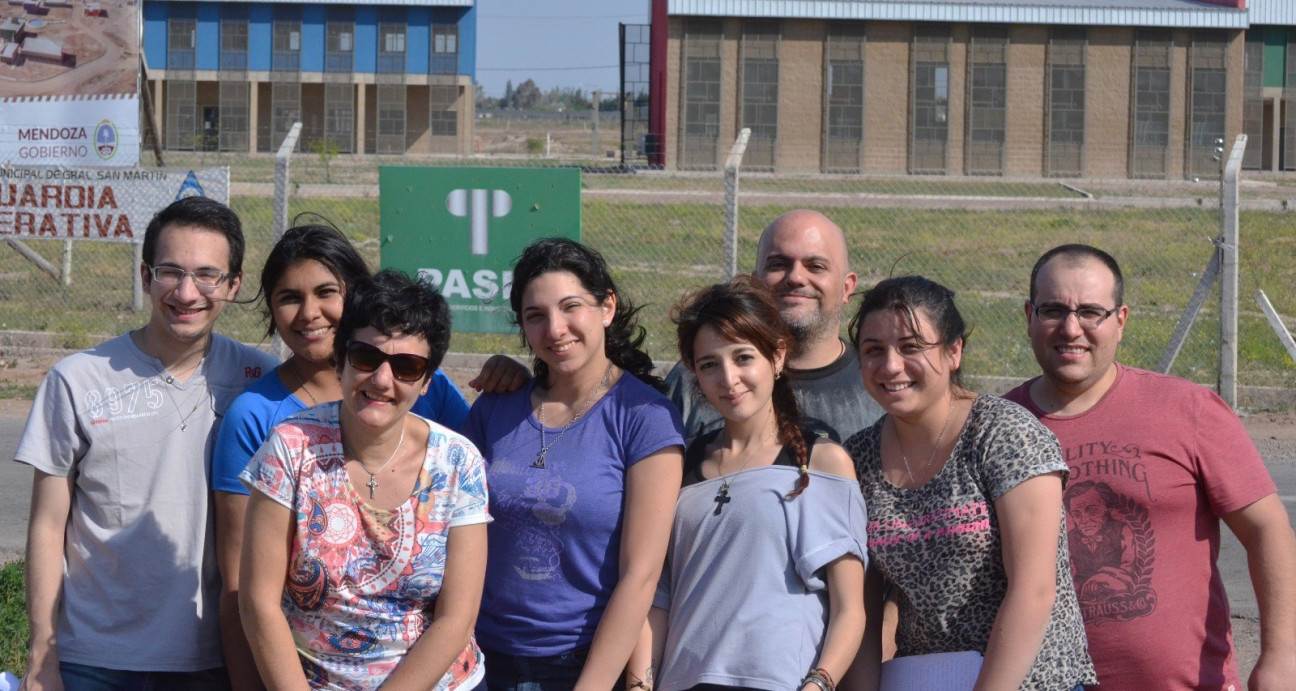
(802, 257)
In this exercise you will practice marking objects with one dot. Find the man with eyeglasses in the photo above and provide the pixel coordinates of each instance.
(1173, 461)
(122, 584)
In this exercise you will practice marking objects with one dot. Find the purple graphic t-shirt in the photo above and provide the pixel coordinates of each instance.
(556, 540)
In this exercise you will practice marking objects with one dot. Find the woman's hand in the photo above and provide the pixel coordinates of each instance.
(1029, 518)
(267, 542)
(652, 486)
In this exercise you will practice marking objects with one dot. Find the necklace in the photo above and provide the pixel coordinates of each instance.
(292, 364)
(171, 381)
(722, 495)
(908, 471)
(539, 461)
(372, 484)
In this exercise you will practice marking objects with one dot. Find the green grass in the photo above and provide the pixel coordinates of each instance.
(661, 249)
(13, 619)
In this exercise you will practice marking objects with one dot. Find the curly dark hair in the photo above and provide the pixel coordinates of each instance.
(392, 302)
(623, 338)
(744, 311)
(324, 244)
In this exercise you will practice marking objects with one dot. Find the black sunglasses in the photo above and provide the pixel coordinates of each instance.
(367, 358)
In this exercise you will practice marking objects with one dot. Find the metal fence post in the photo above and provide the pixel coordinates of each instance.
(282, 179)
(137, 279)
(732, 164)
(1229, 273)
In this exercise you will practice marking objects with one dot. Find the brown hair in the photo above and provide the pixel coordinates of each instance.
(744, 311)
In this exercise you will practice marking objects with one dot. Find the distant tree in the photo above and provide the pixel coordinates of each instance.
(507, 101)
(527, 96)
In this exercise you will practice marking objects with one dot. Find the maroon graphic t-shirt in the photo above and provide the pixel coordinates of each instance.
(1154, 464)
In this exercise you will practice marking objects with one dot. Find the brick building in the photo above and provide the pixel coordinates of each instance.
(1018, 88)
(389, 76)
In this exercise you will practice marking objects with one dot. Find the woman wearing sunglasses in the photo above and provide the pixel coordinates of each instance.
(365, 546)
(584, 467)
(303, 284)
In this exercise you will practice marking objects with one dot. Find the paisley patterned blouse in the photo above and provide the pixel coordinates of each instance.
(362, 581)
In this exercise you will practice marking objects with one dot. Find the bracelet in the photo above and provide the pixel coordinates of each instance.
(821, 678)
(639, 684)
(812, 679)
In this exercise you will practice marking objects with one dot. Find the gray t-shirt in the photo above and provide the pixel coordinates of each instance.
(745, 587)
(140, 584)
(940, 545)
(832, 399)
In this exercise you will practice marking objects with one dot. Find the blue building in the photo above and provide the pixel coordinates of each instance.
(389, 76)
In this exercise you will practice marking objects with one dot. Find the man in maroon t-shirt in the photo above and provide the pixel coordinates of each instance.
(1156, 462)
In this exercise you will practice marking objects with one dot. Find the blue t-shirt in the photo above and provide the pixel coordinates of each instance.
(555, 544)
(267, 402)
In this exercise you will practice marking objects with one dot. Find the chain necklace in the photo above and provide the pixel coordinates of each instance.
(372, 484)
(908, 471)
(722, 495)
(170, 381)
(292, 365)
(539, 461)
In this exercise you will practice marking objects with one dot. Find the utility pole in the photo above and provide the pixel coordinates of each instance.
(598, 98)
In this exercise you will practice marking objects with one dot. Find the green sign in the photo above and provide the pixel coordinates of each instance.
(463, 228)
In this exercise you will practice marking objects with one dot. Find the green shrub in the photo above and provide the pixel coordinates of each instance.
(13, 619)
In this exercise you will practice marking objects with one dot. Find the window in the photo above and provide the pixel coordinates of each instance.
(843, 147)
(1207, 102)
(760, 92)
(391, 118)
(285, 109)
(1151, 109)
(391, 48)
(233, 124)
(445, 49)
(181, 114)
(987, 100)
(287, 46)
(339, 49)
(700, 98)
(929, 95)
(443, 119)
(339, 116)
(1064, 146)
(234, 44)
(180, 43)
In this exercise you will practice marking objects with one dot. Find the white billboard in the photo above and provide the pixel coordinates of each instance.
(103, 204)
(69, 82)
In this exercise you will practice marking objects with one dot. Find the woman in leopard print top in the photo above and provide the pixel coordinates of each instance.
(965, 503)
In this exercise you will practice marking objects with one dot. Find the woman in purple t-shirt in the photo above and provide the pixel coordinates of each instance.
(584, 466)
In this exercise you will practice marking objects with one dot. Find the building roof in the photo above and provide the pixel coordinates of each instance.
(1272, 12)
(419, 3)
(43, 47)
(12, 24)
(8, 51)
(1162, 13)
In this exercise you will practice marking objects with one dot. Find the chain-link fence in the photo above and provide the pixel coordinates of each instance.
(662, 231)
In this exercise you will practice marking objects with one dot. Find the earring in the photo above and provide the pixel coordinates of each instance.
(606, 322)
(778, 373)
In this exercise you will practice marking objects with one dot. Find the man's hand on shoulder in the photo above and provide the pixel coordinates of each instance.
(500, 374)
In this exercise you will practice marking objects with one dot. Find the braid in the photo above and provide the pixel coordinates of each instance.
(789, 432)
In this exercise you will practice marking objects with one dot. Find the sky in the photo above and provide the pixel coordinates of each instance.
(554, 42)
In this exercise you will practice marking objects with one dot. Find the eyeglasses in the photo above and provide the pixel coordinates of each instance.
(206, 280)
(404, 366)
(1088, 317)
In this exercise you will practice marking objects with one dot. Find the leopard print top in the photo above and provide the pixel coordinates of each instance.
(939, 544)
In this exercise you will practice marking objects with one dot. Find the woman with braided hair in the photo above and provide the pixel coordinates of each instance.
(765, 576)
